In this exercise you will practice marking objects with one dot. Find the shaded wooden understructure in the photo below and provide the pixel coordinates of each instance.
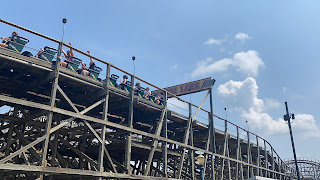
(63, 125)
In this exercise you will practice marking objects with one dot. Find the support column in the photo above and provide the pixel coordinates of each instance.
(225, 152)
(155, 141)
(55, 146)
(129, 134)
(279, 167)
(55, 143)
(207, 146)
(105, 118)
(191, 143)
(266, 158)
(248, 155)
(272, 162)
(241, 165)
(238, 153)
(83, 147)
(50, 114)
(10, 132)
(258, 157)
(165, 135)
(212, 136)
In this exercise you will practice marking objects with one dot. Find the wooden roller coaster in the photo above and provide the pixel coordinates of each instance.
(60, 124)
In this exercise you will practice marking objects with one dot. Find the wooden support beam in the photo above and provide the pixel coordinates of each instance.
(191, 143)
(241, 165)
(25, 158)
(207, 148)
(248, 155)
(272, 162)
(102, 148)
(19, 121)
(129, 135)
(83, 147)
(225, 152)
(55, 143)
(9, 140)
(64, 171)
(40, 139)
(108, 123)
(238, 154)
(67, 99)
(63, 162)
(102, 139)
(155, 141)
(212, 135)
(279, 166)
(258, 157)
(165, 135)
(265, 159)
(24, 142)
(50, 114)
(186, 136)
(80, 153)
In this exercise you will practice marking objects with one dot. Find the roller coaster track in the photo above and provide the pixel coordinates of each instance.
(309, 168)
(58, 124)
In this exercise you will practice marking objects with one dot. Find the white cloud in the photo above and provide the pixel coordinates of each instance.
(272, 103)
(264, 123)
(242, 36)
(212, 41)
(306, 124)
(247, 63)
(243, 96)
(209, 66)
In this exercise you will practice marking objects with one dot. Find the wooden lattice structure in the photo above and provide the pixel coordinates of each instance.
(63, 125)
(309, 168)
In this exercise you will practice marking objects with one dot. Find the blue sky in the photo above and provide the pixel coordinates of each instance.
(261, 53)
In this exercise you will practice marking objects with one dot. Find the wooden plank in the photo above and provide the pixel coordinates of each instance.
(55, 170)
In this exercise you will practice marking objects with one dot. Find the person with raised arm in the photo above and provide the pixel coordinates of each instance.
(68, 56)
(147, 93)
(39, 52)
(84, 69)
(92, 65)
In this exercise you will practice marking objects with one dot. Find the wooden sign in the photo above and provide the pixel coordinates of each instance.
(190, 87)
